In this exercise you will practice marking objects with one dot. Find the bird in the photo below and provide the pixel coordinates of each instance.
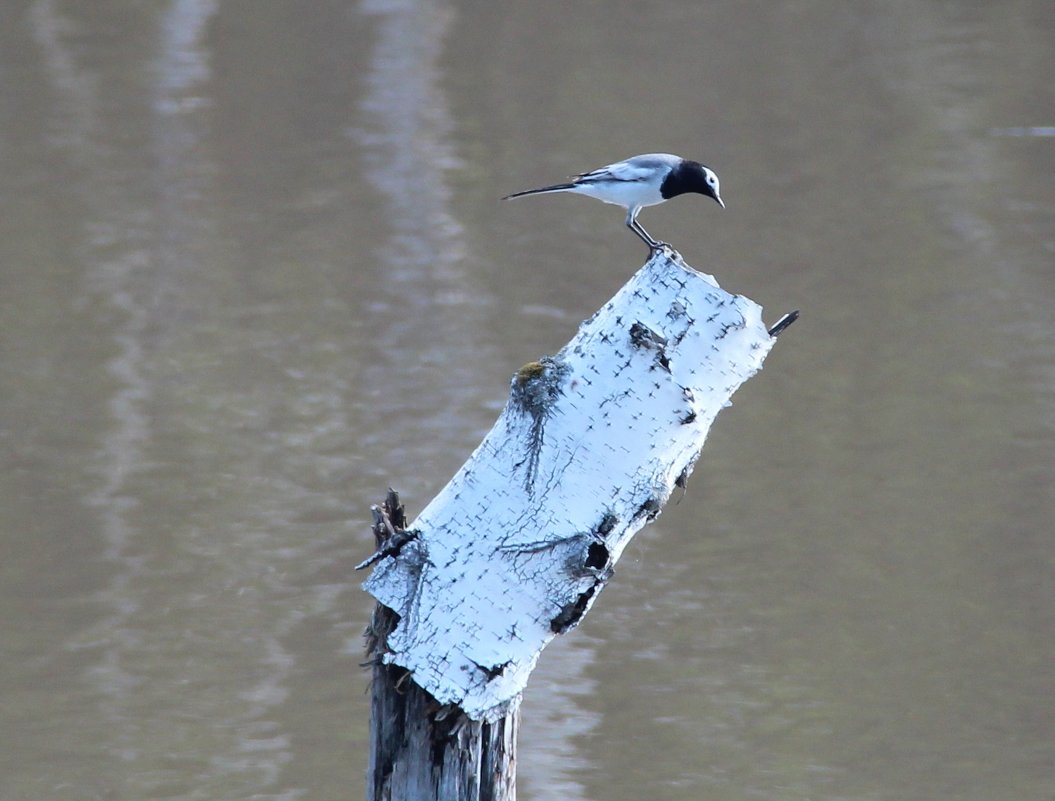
(640, 181)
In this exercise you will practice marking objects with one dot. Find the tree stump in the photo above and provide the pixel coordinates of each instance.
(518, 545)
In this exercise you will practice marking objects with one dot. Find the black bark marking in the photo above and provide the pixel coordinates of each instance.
(649, 509)
(645, 338)
(570, 614)
(607, 524)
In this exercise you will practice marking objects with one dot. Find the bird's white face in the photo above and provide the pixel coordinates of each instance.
(712, 182)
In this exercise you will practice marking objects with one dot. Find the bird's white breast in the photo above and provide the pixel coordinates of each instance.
(623, 193)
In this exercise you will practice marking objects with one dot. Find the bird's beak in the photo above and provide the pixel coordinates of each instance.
(720, 201)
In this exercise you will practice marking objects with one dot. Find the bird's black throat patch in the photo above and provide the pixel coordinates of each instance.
(687, 177)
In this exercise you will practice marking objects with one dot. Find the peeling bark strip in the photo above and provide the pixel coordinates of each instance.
(592, 442)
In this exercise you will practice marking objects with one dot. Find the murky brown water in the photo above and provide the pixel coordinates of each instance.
(254, 270)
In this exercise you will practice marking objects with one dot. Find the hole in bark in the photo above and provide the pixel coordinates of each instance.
(597, 556)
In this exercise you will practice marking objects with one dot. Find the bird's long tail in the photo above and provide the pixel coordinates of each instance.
(543, 190)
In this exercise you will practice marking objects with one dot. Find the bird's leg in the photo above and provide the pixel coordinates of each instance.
(637, 228)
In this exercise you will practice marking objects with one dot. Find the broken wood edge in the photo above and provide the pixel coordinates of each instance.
(781, 325)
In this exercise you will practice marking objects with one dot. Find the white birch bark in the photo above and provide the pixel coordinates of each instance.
(588, 449)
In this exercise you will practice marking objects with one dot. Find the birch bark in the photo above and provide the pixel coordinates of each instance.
(517, 546)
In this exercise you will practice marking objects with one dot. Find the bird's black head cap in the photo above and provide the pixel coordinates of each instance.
(691, 176)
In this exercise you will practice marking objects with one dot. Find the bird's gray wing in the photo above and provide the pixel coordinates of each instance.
(638, 168)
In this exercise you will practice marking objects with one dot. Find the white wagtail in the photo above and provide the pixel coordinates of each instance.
(638, 182)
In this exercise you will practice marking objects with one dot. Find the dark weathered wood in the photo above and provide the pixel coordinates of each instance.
(783, 323)
(421, 750)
